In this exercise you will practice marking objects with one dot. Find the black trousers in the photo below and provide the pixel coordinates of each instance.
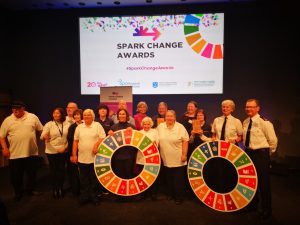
(3, 214)
(20, 167)
(57, 170)
(72, 175)
(261, 160)
(73, 172)
(161, 180)
(175, 177)
(88, 182)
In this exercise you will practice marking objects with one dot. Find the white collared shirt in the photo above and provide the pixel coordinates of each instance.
(170, 143)
(233, 127)
(70, 120)
(57, 141)
(21, 134)
(87, 137)
(262, 134)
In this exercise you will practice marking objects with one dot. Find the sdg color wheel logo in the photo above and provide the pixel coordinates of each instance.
(199, 32)
(243, 191)
(118, 185)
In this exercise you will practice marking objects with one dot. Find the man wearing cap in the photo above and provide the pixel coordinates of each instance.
(20, 131)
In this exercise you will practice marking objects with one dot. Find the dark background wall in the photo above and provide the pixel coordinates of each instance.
(40, 62)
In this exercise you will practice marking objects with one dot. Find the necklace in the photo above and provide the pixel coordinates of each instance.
(62, 128)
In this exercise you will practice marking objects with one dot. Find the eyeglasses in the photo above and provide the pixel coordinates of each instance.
(250, 107)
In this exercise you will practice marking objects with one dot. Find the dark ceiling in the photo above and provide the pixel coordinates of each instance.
(16, 5)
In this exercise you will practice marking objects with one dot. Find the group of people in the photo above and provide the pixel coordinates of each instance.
(72, 140)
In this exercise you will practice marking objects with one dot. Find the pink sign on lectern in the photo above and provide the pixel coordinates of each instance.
(111, 96)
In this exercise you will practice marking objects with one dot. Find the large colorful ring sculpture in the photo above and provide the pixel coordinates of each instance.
(138, 184)
(246, 186)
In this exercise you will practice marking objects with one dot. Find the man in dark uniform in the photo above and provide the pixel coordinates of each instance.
(260, 141)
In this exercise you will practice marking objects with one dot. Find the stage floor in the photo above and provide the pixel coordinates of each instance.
(43, 209)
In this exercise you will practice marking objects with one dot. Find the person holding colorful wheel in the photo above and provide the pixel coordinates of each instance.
(122, 105)
(147, 130)
(173, 143)
(87, 139)
(124, 159)
(226, 128)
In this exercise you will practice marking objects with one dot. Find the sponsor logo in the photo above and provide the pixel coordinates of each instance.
(127, 83)
(201, 83)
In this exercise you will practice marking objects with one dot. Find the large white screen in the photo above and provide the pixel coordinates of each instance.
(168, 54)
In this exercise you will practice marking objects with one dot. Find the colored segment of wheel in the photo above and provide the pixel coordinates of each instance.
(138, 184)
(246, 186)
(196, 40)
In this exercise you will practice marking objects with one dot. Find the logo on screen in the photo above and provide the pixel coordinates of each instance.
(154, 84)
(198, 41)
(141, 31)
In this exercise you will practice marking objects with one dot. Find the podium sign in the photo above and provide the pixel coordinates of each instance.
(111, 96)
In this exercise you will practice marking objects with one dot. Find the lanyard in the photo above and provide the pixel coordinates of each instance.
(62, 128)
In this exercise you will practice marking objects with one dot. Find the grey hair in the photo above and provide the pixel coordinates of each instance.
(229, 102)
(140, 104)
(163, 103)
(89, 111)
(147, 119)
(171, 111)
(69, 103)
